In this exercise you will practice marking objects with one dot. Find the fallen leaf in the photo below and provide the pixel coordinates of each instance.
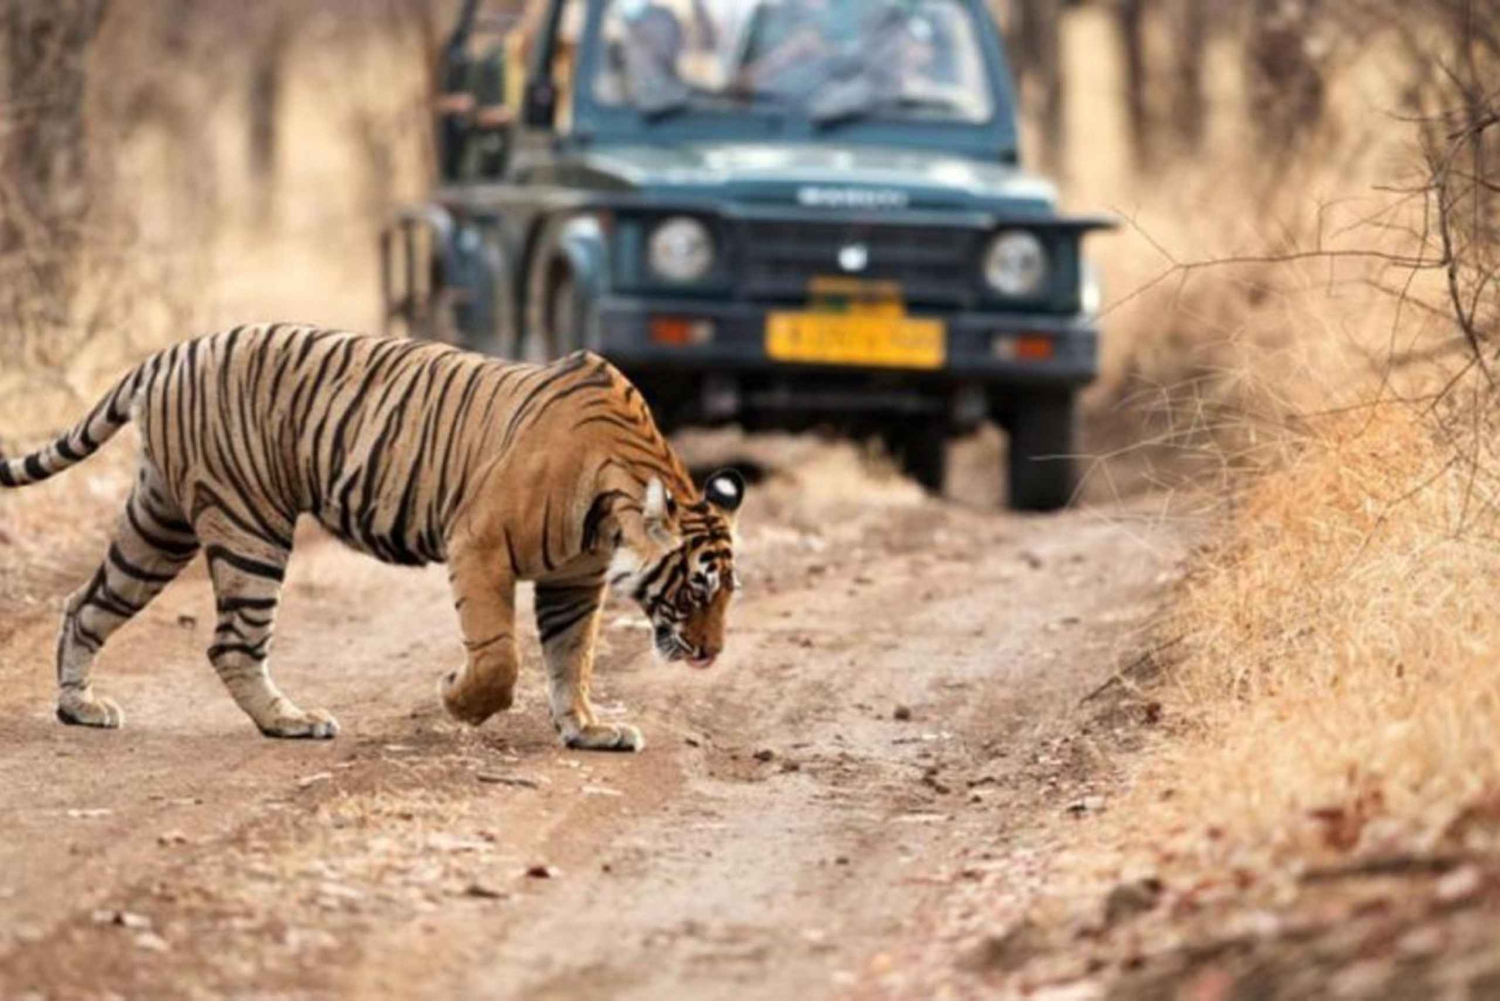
(484, 892)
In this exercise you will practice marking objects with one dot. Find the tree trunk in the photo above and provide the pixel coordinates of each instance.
(1189, 103)
(1037, 44)
(263, 107)
(1131, 18)
(43, 154)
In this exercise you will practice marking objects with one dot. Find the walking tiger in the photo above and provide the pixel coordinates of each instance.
(415, 453)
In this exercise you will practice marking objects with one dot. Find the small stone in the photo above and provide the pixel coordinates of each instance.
(308, 781)
(90, 814)
(901, 714)
(1089, 804)
(169, 838)
(151, 942)
(764, 755)
(542, 872)
(1427, 940)
(791, 766)
(1460, 886)
(187, 621)
(125, 919)
(592, 790)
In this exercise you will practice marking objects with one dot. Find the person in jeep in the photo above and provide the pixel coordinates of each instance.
(820, 54)
(786, 214)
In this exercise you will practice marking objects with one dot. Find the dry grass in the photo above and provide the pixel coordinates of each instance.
(1333, 686)
(1341, 644)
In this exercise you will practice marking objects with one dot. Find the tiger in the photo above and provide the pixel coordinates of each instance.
(413, 452)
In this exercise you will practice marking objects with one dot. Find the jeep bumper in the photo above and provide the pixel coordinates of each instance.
(1016, 349)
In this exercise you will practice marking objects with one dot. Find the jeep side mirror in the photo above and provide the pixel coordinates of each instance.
(539, 107)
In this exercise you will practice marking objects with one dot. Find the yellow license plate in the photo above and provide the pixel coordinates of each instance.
(856, 339)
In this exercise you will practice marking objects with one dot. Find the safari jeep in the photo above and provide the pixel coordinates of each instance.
(781, 213)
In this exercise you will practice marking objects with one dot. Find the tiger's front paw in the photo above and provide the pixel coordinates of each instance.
(605, 737)
(318, 724)
(470, 702)
(83, 708)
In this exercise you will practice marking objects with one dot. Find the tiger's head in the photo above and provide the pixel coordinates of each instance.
(680, 567)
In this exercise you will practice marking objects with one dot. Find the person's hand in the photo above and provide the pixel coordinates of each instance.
(493, 116)
(457, 103)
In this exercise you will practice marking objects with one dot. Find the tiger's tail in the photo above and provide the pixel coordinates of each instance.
(80, 441)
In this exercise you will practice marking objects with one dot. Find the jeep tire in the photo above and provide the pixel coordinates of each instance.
(1043, 473)
(557, 334)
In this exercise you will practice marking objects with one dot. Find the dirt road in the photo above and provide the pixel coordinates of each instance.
(887, 716)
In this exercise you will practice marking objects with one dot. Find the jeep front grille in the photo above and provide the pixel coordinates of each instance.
(935, 265)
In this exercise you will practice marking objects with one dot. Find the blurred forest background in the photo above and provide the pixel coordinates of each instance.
(1301, 314)
(170, 166)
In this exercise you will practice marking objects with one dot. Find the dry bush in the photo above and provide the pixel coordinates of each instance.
(1340, 643)
(1333, 667)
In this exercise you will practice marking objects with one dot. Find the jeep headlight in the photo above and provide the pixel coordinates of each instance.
(1016, 264)
(681, 250)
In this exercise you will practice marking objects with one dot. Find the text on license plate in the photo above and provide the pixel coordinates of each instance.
(856, 339)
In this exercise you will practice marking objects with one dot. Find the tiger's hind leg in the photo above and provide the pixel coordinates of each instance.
(152, 543)
(567, 619)
(247, 572)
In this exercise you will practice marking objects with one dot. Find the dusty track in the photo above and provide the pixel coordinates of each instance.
(782, 834)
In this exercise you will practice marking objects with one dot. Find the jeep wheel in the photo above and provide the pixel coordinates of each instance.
(558, 333)
(920, 450)
(495, 337)
(1043, 472)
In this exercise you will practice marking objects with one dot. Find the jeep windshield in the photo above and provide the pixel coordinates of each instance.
(828, 61)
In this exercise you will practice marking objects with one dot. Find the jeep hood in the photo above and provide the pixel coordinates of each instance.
(821, 175)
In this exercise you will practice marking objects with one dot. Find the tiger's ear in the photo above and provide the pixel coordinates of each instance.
(725, 490)
(656, 512)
